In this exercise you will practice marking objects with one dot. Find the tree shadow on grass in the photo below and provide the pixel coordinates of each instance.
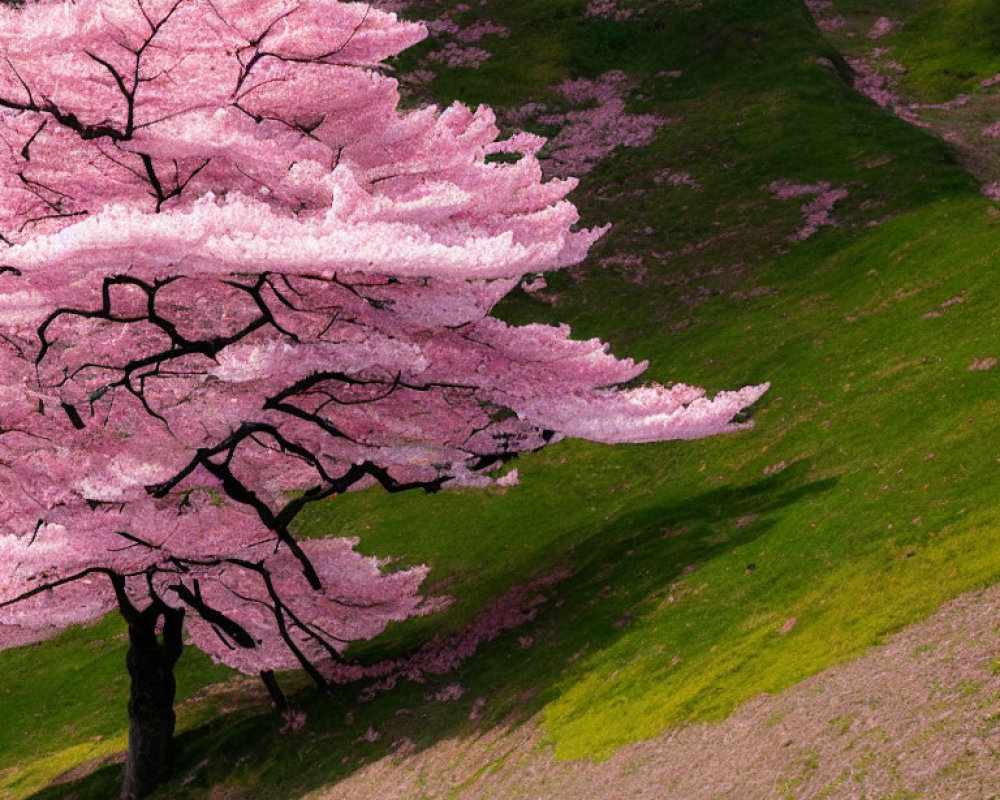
(620, 574)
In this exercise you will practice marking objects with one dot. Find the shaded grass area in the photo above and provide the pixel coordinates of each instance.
(859, 503)
(64, 703)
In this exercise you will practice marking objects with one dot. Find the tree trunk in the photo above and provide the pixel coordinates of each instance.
(150, 665)
(274, 689)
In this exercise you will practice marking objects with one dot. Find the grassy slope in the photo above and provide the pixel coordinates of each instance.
(883, 509)
(947, 46)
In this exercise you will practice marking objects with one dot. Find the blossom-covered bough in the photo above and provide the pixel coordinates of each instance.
(235, 279)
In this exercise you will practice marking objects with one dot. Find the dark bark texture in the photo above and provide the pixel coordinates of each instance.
(274, 689)
(150, 663)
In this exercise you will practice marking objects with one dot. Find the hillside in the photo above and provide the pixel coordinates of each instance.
(914, 718)
(770, 223)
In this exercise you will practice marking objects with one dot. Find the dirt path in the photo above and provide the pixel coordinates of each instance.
(917, 717)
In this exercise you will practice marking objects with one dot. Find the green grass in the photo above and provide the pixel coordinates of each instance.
(883, 507)
(948, 46)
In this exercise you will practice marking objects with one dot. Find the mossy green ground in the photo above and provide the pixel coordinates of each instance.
(863, 498)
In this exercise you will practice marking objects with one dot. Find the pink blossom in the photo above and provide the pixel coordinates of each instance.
(418, 76)
(535, 284)
(673, 177)
(453, 691)
(477, 709)
(455, 56)
(516, 607)
(411, 239)
(370, 735)
(443, 25)
(295, 721)
(511, 478)
(871, 83)
(816, 213)
(591, 133)
(784, 189)
(622, 10)
(827, 20)
(883, 26)
(608, 9)
(481, 28)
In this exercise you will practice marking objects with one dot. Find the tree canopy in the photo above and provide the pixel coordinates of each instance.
(236, 278)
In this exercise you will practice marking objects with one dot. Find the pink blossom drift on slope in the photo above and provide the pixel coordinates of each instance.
(883, 26)
(456, 50)
(622, 10)
(515, 607)
(295, 721)
(825, 16)
(817, 212)
(608, 9)
(871, 83)
(593, 132)
(453, 56)
(481, 28)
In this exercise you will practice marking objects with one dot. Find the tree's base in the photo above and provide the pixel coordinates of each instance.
(150, 759)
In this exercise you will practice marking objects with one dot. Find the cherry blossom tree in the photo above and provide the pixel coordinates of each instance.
(236, 279)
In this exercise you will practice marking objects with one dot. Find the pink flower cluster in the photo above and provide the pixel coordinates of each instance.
(534, 284)
(370, 735)
(515, 607)
(456, 51)
(454, 55)
(871, 83)
(631, 266)
(785, 189)
(622, 10)
(876, 83)
(817, 212)
(608, 9)
(672, 177)
(825, 16)
(295, 721)
(883, 26)
(589, 134)
(453, 691)
(991, 190)
(480, 28)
